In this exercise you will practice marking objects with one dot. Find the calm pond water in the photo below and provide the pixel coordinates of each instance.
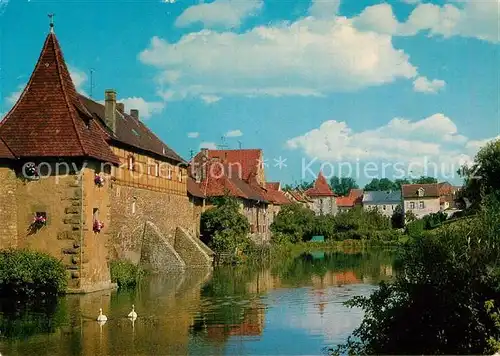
(291, 307)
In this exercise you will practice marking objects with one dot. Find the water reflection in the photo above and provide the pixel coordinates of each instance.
(289, 306)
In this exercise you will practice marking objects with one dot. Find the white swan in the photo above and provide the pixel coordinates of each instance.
(101, 317)
(132, 314)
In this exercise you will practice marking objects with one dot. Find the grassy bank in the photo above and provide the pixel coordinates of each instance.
(278, 252)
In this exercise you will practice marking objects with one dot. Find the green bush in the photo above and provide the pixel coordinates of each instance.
(439, 301)
(26, 273)
(125, 273)
(294, 221)
(224, 228)
(372, 235)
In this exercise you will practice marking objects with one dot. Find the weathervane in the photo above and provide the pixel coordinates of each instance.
(51, 17)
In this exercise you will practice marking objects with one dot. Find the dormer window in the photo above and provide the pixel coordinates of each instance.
(420, 192)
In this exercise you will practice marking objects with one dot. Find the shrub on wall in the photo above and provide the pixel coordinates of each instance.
(125, 273)
(27, 273)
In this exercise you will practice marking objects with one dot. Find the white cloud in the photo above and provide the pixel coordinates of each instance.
(219, 13)
(79, 79)
(209, 145)
(475, 145)
(169, 1)
(146, 108)
(276, 60)
(435, 138)
(324, 8)
(210, 99)
(14, 96)
(476, 19)
(234, 133)
(412, 2)
(193, 134)
(424, 85)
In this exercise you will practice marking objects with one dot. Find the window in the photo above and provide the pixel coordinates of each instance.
(169, 175)
(133, 207)
(412, 205)
(421, 205)
(157, 169)
(421, 192)
(179, 175)
(95, 214)
(131, 163)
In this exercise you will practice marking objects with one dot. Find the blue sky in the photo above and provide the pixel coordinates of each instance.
(402, 82)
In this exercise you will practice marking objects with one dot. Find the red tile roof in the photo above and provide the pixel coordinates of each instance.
(220, 180)
(131, 131)
(273, 185)
(298, 196)
(248, 159)
(411, 190)
(49, 120)
(275, 195)
(4, 151)
(321, 188)
(355, 197)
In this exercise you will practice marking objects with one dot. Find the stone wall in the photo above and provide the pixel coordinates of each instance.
(324, 205)
(157, 254)
(8, 207)
(192, 251)
(132, 207)
(95, 253)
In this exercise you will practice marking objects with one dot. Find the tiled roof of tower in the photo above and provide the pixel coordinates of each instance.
(131, 131)
(4, 151)
(321, 188)
(48, 119)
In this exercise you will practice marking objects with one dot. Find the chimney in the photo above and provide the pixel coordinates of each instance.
(110, 109)
(134, 113)
(120, 107)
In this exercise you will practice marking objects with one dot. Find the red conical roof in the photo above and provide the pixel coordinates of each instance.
(48, 119)
(321, 188)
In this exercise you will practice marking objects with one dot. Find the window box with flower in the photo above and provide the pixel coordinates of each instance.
(98, 226)
(30, 171)
(39, 220)
(99, 180)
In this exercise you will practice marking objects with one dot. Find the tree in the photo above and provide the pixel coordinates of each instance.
(223, 227)
(294, 221)
(398, 218)
(342, 186)
(481, 178)
(436, 304)
(380, 184)
(399, 182)
(424, 180)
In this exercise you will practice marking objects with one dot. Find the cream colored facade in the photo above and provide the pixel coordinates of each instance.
(422, 206)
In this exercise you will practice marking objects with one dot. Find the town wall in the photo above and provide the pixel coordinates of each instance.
(8, 207)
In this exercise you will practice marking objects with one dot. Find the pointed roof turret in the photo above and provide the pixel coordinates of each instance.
(49, 120)
(321, 188)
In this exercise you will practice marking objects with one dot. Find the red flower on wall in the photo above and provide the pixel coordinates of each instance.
(99, 180)
(98, 226)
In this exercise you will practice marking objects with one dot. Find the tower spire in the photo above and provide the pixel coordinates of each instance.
(51, 17)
